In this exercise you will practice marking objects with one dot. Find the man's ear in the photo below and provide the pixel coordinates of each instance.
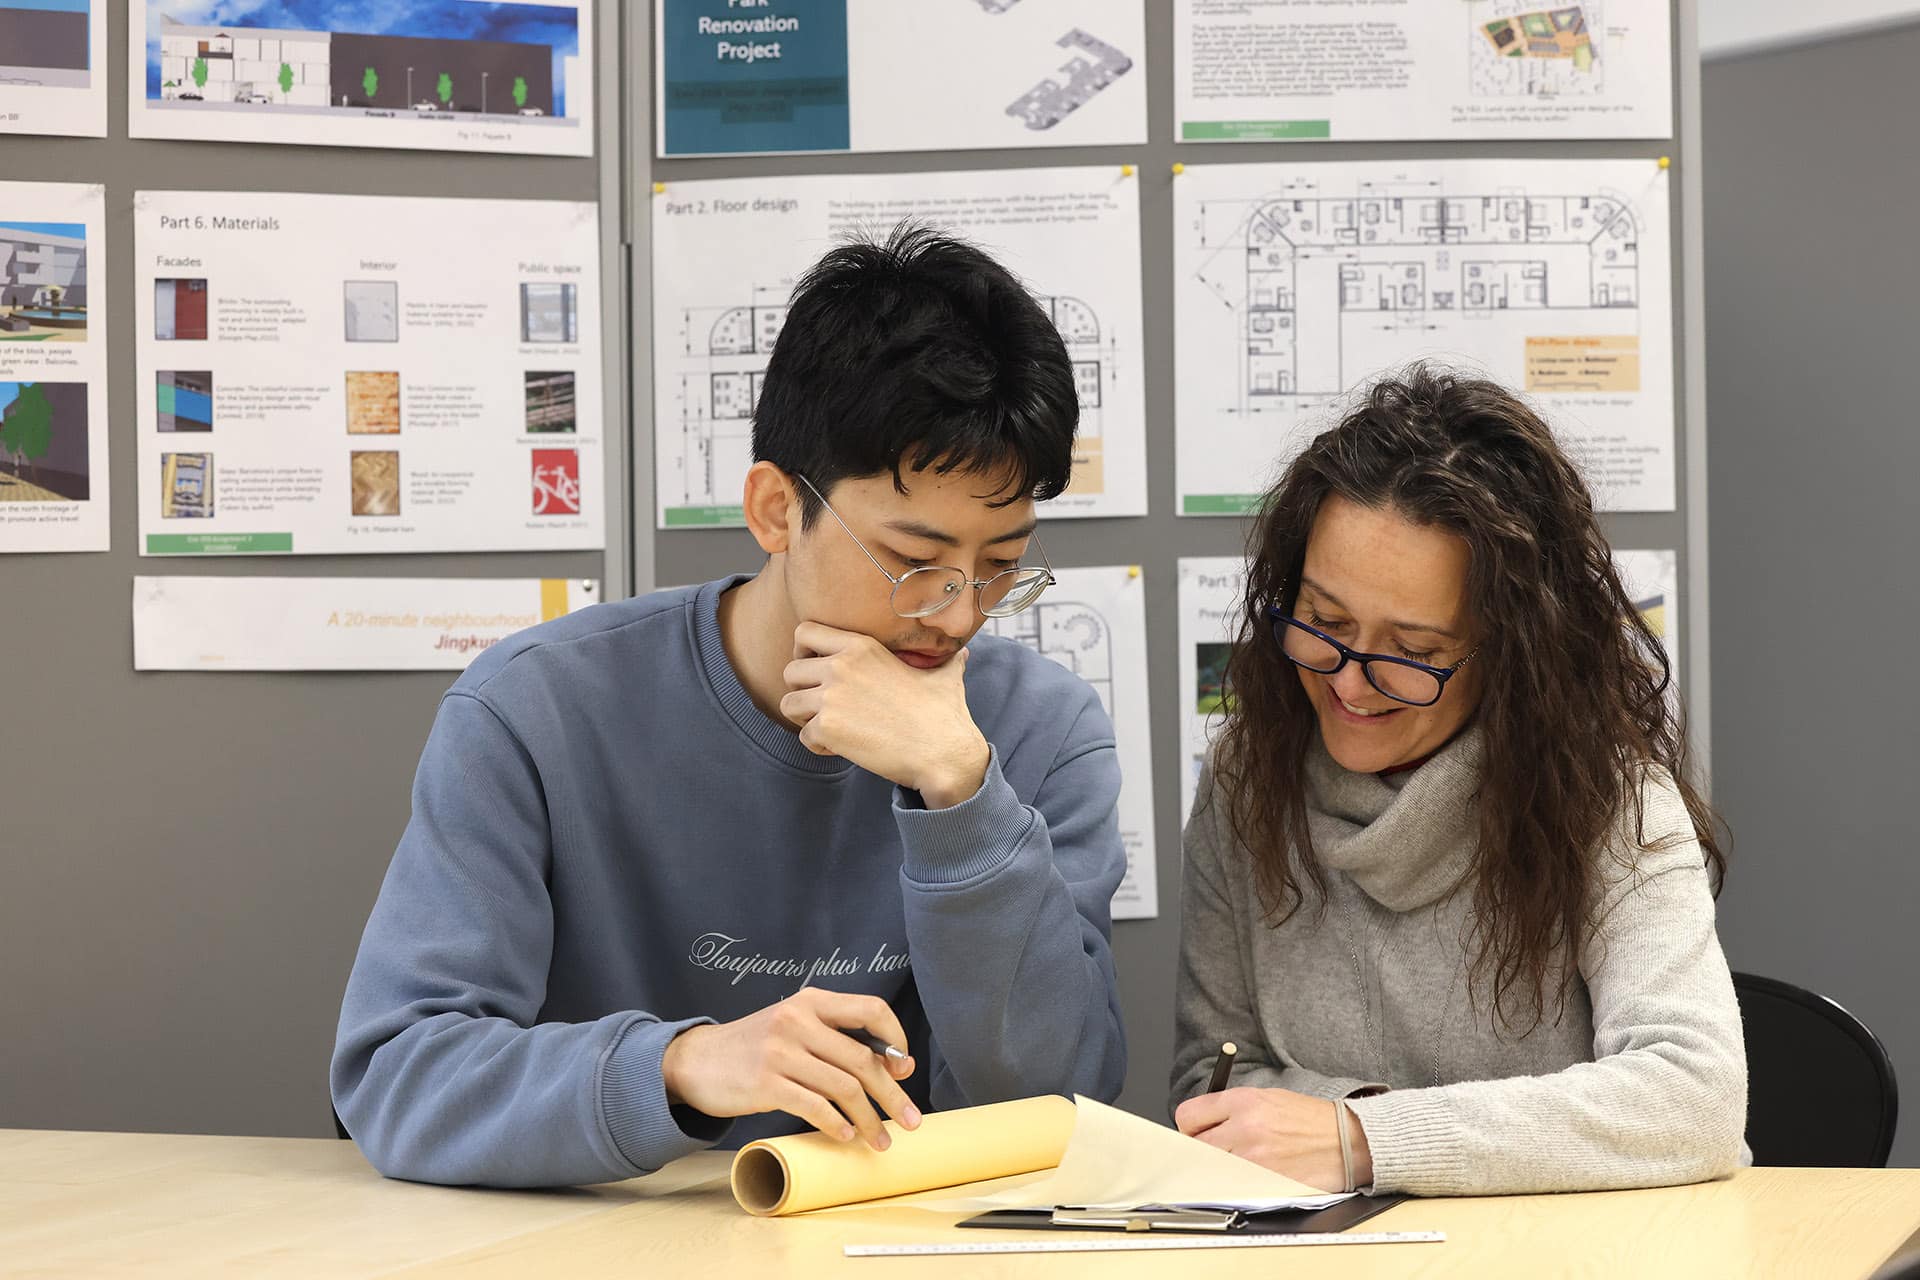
(771, 502)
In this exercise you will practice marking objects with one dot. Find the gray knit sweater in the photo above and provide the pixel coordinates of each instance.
(1641, 1081)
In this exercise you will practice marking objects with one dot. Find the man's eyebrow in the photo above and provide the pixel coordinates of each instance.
(1309, 584)
(919, 529)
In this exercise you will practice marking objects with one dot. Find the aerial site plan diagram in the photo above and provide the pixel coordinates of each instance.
(459, 75)
(1296, 285)
(1538, 51)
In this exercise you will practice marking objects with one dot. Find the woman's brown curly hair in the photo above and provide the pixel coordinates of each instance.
(1574, 701)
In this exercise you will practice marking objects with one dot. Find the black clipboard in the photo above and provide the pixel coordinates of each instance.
(1333, 1218)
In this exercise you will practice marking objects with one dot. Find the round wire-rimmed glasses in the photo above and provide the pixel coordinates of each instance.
(919, 593)
(1402, 679)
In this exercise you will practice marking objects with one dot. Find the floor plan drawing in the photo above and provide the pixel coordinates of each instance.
(1297, 286)
(728, 253)
(718, 387)
(724, 358)
(1094, 65)
(1328, 286)
(1075, 635)
(1530, 51)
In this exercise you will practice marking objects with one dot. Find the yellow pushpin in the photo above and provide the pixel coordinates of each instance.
(1133, 571)
(1126, 171)
(1666, 162)
(1178, 167)
(659, 188)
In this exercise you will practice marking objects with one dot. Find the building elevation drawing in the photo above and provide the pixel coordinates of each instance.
(44, 43)
(422, 59)
(1330, 290)
(1533, 51)
(1094, 65)
(725, 357)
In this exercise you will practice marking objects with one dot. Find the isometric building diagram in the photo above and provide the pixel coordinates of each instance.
(725, 358)
(1537, 52)
(1331, 290)
(1095, 65)
(1077, 636)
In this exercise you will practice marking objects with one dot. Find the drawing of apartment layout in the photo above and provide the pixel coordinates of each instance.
(1077, 636)
(1095, 65)
(726, 352)
(1331, 290)
(1536, 52)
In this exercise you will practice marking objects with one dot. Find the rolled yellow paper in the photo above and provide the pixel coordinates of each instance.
(812, 1171)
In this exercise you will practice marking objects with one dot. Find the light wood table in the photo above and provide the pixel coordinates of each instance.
(118, 1204)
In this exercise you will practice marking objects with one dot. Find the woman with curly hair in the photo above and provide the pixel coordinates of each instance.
(1449, 887)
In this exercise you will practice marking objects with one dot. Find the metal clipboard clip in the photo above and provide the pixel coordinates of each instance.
(1147, 1217)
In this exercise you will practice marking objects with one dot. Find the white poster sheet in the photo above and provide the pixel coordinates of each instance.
(53, 55)
(1653, 581)
(53, 368)
(437, 75)
(726, 254)
(1373, 70)
(1093, 622)
(338, 624)
(756, 77)
(1209, 604)
(347, 374)
(1296, 286)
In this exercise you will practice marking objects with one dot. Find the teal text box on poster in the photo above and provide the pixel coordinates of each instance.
(754, 76)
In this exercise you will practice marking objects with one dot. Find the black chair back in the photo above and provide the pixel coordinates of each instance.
(1820, 1086)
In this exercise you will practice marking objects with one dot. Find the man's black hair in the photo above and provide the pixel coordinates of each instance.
(920, 352)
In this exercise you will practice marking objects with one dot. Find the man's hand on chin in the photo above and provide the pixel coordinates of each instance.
(853, 697)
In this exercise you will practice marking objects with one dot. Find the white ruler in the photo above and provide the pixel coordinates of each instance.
(1091, 1243)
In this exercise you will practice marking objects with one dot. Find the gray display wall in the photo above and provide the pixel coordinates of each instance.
(1145, 949)
(189, 859)
(1816, 546)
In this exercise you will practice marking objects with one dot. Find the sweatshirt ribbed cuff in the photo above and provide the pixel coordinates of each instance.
(969, 839)
(647, 1129)
(1414, 1141)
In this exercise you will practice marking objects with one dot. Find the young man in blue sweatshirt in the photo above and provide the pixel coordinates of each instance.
(666, 853)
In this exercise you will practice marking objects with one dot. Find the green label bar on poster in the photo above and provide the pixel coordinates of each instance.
(1254, 130)
(704, 517)
(1219, 504)
(217, 544)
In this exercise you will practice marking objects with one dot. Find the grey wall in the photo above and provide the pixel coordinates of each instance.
(1811, 186)
(1145, 949)
(188, 859)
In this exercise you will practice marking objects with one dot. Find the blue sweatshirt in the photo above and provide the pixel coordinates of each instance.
(610, 843)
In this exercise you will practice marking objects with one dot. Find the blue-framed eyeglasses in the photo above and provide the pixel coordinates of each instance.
(1402, 679)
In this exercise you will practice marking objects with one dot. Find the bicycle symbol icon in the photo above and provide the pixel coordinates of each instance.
(556, 491)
